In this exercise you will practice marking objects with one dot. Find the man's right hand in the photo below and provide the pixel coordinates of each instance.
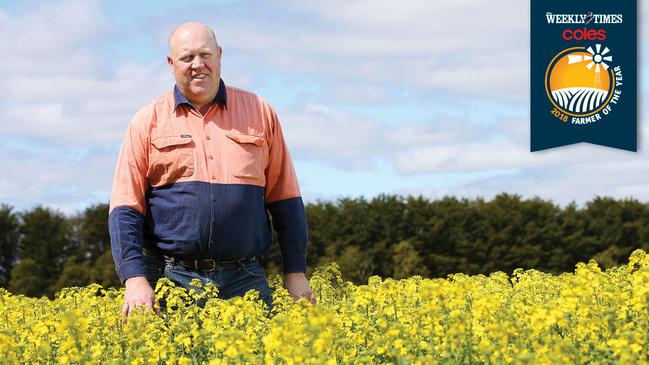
(138, 292)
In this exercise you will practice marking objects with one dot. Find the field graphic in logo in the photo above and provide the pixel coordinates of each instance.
(579, 81)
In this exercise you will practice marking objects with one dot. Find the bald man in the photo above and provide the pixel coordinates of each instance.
(201, 174)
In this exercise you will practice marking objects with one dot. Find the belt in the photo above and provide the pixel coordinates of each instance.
(210, 264)
(202, 265)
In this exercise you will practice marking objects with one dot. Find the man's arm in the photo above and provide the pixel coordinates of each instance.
(289, 221)
(125, 226)
(285, 205)
(126, 218)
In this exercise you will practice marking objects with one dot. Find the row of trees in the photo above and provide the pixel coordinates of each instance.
(402, 236)
(42, 251)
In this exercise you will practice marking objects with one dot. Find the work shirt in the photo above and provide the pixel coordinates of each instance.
(198, 187)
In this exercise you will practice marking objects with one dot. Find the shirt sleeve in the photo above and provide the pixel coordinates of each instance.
(283, 199)
(127, 202)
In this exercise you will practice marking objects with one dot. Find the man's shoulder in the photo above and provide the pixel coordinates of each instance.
(233, 90)
(154, 107)
(238, 93)
(242, 98)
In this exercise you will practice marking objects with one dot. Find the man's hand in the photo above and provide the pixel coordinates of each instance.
(138, 292)
(298, 286)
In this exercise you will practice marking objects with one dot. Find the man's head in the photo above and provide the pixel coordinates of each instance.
(195, 60)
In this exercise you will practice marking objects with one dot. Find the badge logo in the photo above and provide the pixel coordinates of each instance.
(583, 73)
(581, 84)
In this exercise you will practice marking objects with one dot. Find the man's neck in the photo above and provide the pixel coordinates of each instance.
(203, 109)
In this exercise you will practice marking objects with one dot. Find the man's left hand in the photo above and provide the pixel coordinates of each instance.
(298, 286)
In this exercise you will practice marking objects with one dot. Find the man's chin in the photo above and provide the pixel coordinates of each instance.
(199, 92)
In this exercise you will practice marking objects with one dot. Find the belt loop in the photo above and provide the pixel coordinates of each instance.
(196, 265)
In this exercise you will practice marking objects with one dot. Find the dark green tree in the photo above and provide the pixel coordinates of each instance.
(76, 272)
(387, 236)
(93, 235)
(27, 279)
(9, 237)
(615, 228)
(105, 271)
(407, 261)
(355, 264)
(46, 241)
(449, 237)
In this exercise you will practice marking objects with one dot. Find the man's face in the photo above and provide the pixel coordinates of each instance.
(195, 61)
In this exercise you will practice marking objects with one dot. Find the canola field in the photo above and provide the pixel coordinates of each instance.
(586, 317)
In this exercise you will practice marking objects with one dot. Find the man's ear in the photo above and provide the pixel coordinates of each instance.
(170, 61)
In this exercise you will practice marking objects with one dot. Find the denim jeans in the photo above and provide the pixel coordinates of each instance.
(231, 282)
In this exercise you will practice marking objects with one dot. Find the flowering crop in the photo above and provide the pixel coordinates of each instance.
(530, 317)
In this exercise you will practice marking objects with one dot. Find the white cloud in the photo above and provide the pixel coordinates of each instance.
(561, 185)
(58, 89)
(59, 92)
(38, 42)
(439, 145)
(64, 109)
(359, 94)
(84, 110)
(67, 183)
(322, 133)
(344, 139)
(579, 181)
(461, 157)
(469, 47)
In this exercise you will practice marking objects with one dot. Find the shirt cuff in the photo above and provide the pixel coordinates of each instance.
(294, 262)
(130, 269)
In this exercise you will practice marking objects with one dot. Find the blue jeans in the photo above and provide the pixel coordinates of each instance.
(231, 282)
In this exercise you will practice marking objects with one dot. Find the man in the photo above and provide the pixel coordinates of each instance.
(198, 172)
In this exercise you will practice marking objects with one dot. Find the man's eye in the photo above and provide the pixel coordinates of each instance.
(186, 58)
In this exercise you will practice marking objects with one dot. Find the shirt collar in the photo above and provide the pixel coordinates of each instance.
(221, 97)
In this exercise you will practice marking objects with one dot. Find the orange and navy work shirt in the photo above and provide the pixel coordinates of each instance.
(198, 187)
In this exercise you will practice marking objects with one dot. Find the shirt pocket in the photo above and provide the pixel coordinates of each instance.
(246, 157)
(171, 158)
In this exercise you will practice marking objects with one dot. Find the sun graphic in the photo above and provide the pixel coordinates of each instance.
(579, 81)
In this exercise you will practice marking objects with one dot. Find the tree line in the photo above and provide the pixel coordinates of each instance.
(42, 250)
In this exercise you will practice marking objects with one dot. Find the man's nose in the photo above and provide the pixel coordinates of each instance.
(197, 62)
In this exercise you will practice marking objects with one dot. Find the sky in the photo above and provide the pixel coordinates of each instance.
(375, 97)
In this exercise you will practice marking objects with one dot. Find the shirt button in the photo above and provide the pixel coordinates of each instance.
(211, 157)
(208, 138)
(213, 177)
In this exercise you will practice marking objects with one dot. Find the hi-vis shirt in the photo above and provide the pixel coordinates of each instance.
(200, 187)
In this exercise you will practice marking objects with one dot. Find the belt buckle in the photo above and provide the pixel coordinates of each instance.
(214, 264)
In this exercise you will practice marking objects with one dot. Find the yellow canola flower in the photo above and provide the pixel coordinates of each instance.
(529, 317)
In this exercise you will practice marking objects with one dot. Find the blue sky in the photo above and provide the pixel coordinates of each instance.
(415, 97)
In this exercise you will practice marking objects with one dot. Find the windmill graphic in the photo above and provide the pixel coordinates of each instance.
(596, 59)
(575, 82)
